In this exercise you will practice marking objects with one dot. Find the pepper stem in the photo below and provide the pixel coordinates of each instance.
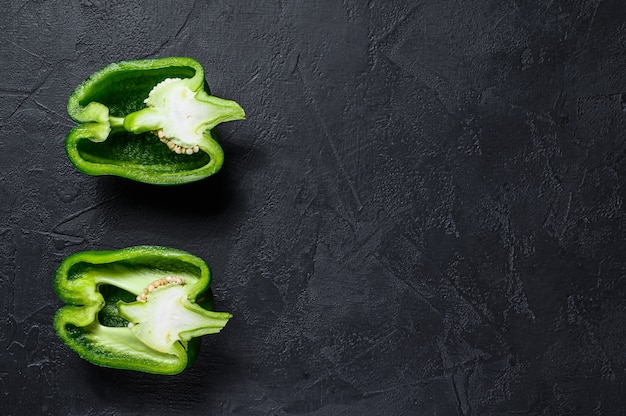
(116, 123)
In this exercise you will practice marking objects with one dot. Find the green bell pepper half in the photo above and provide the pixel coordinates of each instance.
(137, 308)
(148, 120)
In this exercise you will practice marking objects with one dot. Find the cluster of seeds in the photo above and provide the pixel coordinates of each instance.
(171, 145)
(174, 147)
(177, 280)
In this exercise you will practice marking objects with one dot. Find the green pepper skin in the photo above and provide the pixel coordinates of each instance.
(100, 289)
(114, 133)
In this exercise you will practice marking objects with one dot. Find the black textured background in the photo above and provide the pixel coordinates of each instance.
(422, 215)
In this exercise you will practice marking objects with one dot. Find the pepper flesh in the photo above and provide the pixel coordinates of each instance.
(124, 107)
(105, 322)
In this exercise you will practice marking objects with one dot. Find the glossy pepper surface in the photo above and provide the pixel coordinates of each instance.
(136, 308)
(149, 121)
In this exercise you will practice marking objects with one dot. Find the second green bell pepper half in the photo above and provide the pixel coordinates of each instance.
(148, 120)
(140, 308)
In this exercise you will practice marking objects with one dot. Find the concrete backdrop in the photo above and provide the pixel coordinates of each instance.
(423, 213)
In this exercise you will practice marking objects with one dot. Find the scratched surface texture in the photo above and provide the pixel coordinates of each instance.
(423, 213)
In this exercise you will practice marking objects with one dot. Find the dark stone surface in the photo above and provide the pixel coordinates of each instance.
(422, 215)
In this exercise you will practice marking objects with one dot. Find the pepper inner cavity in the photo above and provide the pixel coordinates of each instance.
(109, 314)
